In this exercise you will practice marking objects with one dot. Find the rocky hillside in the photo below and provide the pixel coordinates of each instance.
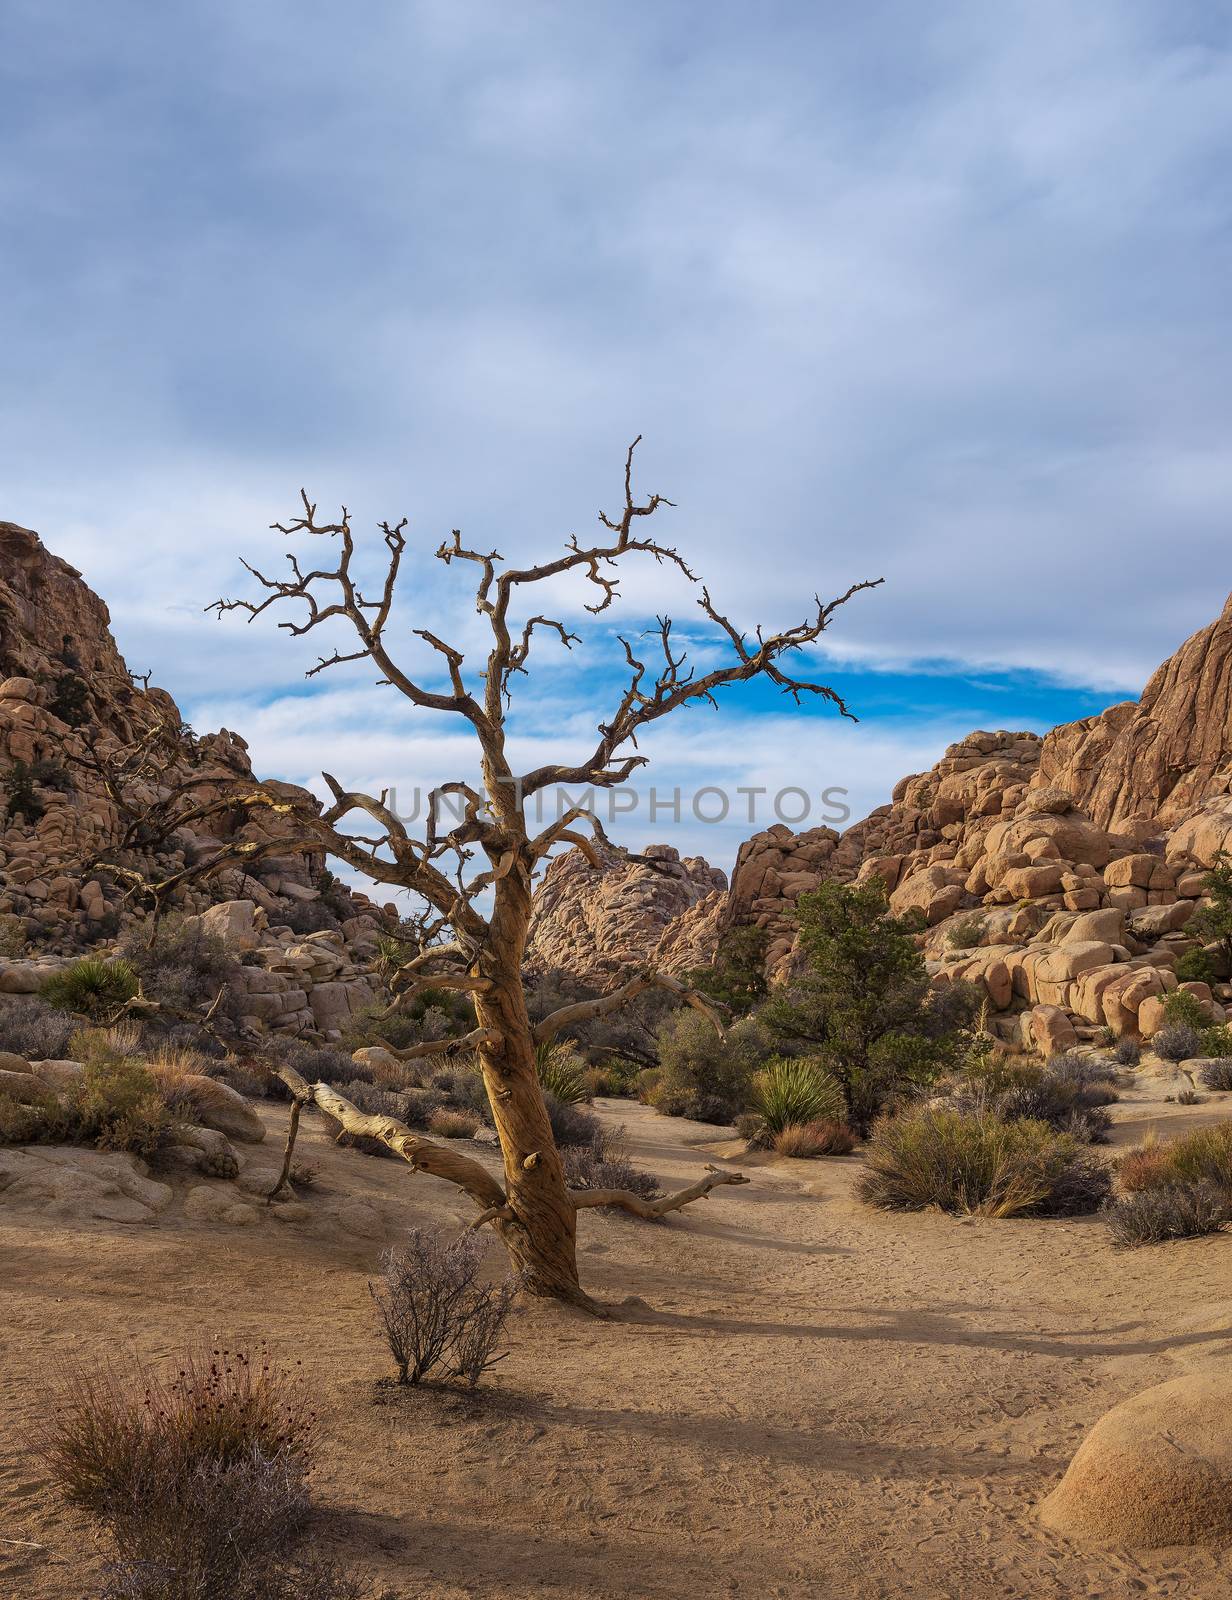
(69, 713)
(1059, 872)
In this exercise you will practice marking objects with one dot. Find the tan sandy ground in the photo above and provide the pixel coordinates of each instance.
(819, 1400)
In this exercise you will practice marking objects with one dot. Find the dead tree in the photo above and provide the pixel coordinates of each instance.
(481, 951)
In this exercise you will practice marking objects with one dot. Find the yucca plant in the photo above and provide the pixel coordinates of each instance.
(91, 986)
(797, 1090)
(561, 1071)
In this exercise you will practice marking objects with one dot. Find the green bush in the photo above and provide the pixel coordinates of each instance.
(796, 1091)
(702, 1075)
(1195, 966)
(21, 799)
(181, 964)
(1215, 1041)
(1185, 1010)
(980, 1165)
(737, 979)
(1214, 921)
(965, 935)
(91, 986)
(115, 1104)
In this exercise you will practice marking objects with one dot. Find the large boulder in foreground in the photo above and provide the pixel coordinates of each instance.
(1156, 1471)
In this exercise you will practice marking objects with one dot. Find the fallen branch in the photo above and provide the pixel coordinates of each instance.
(626, 1200)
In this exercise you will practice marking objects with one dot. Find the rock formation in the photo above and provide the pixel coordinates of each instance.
(594, 924)
(69, 708)
(1059, 873)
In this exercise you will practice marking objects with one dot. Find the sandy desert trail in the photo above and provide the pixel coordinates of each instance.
(814, 1400)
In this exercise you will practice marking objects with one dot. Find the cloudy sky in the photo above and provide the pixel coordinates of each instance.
(935, 293)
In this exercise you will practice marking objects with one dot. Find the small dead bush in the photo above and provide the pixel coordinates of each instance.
(33, 1029)
(1217, 1074)
(1154, 1215)
(437, 1312)
(1176, 1042)
(1128, 1053)
(571, 1124)
(824, 1137)
(603, 1163)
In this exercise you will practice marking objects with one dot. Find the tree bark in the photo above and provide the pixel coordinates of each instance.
(540, 1230)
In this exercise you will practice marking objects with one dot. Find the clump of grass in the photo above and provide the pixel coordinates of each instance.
(981, 1165)
(436, 1311)
(797, 1090)
(197, 1476)
(91, 986)
(562, 1072)
(450, 1123)
(1155, 1215)
(824, 1137)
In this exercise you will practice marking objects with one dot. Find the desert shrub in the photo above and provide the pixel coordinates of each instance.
(965, 935)
(799, 1090)
(1182, 1009)
(1189, 1097)
(1217, 1074)
(198, 1478)
(437, 1312)
(645, 1084)
(462, 1085)
(317, 1063)
(571, 1124)
(121, 1042)
(419, 1104)
(1155, 1215)
(1128, 1052)
(118, 1105)
(1177, 1041)
(1216, 1041)
(823, 1137)
(12, 935)
(1203, 1156)
(181, 964)
(91, 986)
(560, 1070)
(308, 916)
(31, 1028)
(702, 1075)
(244, 1080)
(34, 1119)
(617, 1078)
(1195, 966)
(1069, 1093)
(371, 1099)
(602, 1162)
(450, 1123)
(980, 1165)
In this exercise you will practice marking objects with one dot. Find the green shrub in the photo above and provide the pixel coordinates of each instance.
(1195, 966)
(21, 799)
(69, 699)
(91, 986)
(965, 935)
(702, 1075)
(737, 979)
(118, 1105)
(561, 1071)
(794, 1091)
(1185, 1010)
(1216, 1041)
(1214, 921)
(12, 935)
(980, 1165)
(1154, 1216)
(181, 964)
(1069, 1093)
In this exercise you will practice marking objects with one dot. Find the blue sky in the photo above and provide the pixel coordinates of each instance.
(935, 293)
